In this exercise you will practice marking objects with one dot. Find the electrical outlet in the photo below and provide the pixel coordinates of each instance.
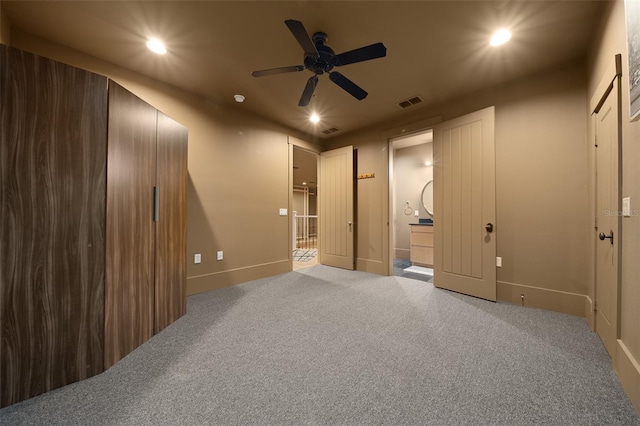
(499, 262)
(219, 255)
(416, 213)
(197, 258)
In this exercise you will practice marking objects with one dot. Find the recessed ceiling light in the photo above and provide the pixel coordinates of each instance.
(500, 37)
(238, 98)
(156, 46)
(314, 118)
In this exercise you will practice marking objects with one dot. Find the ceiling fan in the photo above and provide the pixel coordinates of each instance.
(320, 58)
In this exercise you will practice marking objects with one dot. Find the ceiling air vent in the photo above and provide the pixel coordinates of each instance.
(411, 101)
(331, 130)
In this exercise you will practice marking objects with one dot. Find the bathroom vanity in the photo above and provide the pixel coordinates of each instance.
(422, 244)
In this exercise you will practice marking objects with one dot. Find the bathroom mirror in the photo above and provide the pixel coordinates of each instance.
(427, 197)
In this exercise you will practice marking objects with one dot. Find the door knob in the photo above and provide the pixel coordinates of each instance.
(602, 236)
(489, 227)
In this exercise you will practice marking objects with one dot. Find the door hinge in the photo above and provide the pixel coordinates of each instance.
(595, 306)
(595, 223)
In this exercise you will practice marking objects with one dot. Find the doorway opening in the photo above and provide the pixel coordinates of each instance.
(411, 178)
(304, 212)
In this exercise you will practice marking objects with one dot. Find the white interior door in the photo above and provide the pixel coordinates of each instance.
(607, 219)
(465, 205)
(335, 197)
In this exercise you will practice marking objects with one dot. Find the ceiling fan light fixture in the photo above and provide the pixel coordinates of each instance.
(314, 118)
(500, 37)
(156, 46)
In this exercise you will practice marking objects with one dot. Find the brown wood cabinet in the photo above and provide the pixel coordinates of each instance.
(422, 245)
(86, 274)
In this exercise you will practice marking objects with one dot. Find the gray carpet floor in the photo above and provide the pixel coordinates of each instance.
(324, 346)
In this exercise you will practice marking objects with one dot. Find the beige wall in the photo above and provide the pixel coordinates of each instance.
(238, 175)
(611, 40)
(410, 174)
(541, 172)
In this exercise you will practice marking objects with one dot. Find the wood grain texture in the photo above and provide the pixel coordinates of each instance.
(171, 229)
(129, 286)
(52, 224)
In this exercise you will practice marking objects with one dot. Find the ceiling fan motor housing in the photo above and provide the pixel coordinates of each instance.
(326, 59)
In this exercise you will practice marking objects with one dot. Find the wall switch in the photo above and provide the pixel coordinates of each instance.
(283, 212)
(197, 258)
(219, 255)
(416, 213)
(499, 262)
(626, 207)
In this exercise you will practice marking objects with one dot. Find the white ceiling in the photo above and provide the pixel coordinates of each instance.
(435, 49)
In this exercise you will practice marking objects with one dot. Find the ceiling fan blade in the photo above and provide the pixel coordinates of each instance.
(356, 91)
(274, 71)
(362, 54)
(300, 33)
(308, 91)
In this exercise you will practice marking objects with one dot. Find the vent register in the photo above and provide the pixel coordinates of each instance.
(330, 130)
(414, 100)
(411, 102)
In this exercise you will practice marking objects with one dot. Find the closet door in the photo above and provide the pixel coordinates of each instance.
(52, 224)
(129, 286)
(171, 228)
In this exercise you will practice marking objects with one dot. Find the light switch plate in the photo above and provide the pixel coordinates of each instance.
(283, 212)
(220, 255)
(416, 213)
(626, 207)
(499, 262)
(197, 258)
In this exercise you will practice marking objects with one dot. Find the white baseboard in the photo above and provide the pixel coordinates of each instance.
(544, 298)
(216, 280)
(628, 370)
(372, 266)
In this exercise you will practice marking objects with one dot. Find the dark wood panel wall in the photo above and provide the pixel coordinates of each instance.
(171, 228)
(131, 176)
(145, 260)
(52, 224)
(86, 275)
